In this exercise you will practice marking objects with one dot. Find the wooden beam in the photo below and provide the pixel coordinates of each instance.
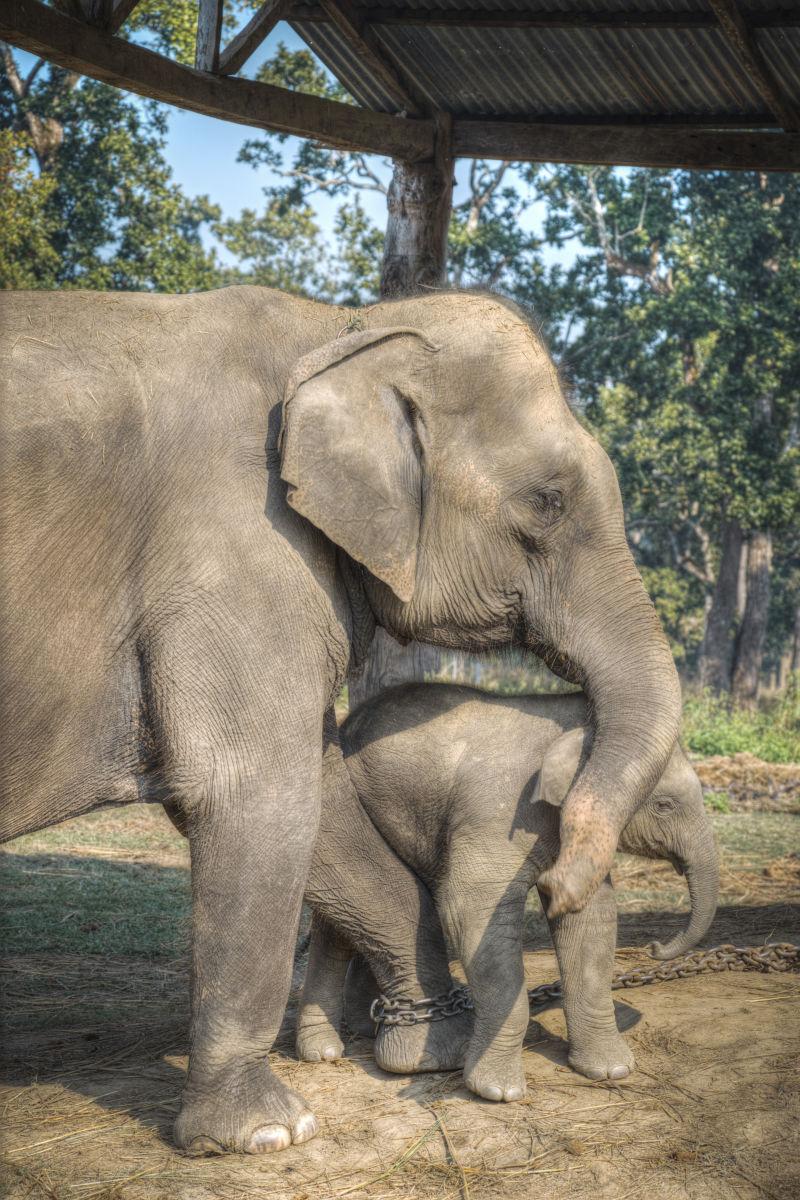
(752, 61)
(549, 19)
(43, 31)
(634, 146)
(248, 39)
(346, 17)
(122, 9)
(209, 32)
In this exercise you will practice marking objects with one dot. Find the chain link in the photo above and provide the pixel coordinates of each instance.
(774, 956)
(404, 1011)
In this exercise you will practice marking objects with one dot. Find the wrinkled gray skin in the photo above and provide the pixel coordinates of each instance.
(467, 788)
(207, 503)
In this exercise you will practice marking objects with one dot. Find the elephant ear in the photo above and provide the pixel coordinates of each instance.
(350, 452)
(561, 764)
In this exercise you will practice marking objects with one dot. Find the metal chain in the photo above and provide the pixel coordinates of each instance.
(774, 956)
(405, 1011)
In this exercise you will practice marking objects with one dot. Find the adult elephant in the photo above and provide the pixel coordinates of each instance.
(180, 603)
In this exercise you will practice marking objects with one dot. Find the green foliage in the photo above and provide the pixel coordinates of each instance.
(678, 330)
(27, 255)
(772, 733)
(101, 210)
(679, 607)
(718, 802)
(283, 245)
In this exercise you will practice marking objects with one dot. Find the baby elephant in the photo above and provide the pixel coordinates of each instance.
(466, 787)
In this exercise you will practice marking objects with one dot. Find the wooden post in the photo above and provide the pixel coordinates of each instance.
(419, 201)
(415, 258)
(209, 30)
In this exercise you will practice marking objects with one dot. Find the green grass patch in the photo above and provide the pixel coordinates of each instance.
(772, 732)
(61, 904)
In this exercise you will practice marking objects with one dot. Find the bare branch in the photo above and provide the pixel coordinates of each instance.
(10, 64)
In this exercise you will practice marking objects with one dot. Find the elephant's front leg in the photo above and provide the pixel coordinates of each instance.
(244, 760)
(484, 917)
(585, 942)
(361, 888)
(250, 850)
(319, 1019)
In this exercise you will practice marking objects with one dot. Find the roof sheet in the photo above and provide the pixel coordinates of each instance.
(600, 74)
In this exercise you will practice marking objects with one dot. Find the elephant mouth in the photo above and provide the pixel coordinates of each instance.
(677, 864)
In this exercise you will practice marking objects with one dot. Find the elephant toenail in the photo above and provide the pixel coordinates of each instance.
(201, 1146)
(304, 1128)
(618, 1072)
(513, 1093)
(268, 1139)
(330, 1052)
(493, 1093)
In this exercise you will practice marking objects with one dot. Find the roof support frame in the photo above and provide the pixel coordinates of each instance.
(92, 51)
(741, 41)
(248, 39)
(346, 17)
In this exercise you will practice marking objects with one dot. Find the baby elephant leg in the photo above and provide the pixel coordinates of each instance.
(360, 990)
(486, 928)
(585, 942)
(319, 1019)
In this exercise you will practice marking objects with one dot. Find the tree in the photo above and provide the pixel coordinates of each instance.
(89, 170)
(684, 350)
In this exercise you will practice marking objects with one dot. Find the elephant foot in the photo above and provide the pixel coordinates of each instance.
(427, 1046)
(246, 1111)
(496, 1076)
(317, 1042)
(603, 1056)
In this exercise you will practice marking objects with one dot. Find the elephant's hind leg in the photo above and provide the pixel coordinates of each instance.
(319, 1020)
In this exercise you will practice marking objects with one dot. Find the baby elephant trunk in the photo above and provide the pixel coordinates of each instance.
(701, 868)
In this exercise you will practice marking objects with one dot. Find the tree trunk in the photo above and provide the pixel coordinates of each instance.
(415, 258)
(795, 660)
(419, 202)
(753, 631)
(716, 658)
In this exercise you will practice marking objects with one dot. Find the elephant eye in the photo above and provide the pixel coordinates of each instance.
(548, 504)
(663, 806)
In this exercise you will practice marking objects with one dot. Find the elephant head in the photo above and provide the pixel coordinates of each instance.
(436, 448)
(672, 823)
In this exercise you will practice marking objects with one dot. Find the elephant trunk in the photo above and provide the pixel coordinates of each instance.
(701, 867)
(624, 662)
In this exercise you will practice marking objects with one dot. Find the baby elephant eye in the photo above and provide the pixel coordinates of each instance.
(663, 806)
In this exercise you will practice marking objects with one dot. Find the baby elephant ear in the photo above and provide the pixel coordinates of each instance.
(561, 764)
(350, 451)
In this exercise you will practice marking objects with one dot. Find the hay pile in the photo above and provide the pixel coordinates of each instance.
(751, 783)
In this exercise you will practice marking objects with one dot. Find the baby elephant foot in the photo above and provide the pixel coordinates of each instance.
(246, 1110)
(496, 1076)
(427, 1046)
(318, 1042)
(604, 1056)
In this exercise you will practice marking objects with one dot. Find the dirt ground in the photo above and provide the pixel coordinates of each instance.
(95, 1024)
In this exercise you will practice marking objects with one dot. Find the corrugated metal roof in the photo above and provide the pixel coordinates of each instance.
(563, 73)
